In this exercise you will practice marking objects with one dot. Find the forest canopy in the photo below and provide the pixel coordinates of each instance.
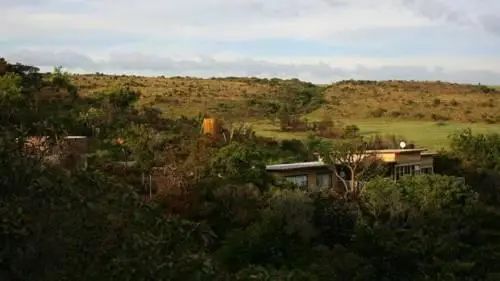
(213, 213)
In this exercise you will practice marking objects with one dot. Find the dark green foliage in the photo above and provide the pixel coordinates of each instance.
(477, 158)
(334, 219)
(294, 98)
(481, 150)
(214, 212)
(240, 163)
(351, 131)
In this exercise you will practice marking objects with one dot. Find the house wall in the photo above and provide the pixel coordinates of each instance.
(387, 157)
(311, 175)
(427, 161)
(404, 158)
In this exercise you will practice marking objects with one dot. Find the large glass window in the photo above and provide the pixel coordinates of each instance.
(323, 179)
(405, 170)
(298, 180)
(426, 170)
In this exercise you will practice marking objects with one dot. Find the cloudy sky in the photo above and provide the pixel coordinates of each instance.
(316, 40)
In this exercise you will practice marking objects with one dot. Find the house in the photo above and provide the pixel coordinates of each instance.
(319, 174)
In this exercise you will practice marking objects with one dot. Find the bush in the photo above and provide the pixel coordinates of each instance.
(379, 112)
(396, 114)
(419, 115)
(350, 131)
(438, 117)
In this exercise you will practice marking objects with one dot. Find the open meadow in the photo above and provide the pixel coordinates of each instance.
(431, 135)
(424, 113)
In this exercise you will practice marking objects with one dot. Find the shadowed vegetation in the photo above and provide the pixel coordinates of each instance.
(150, 197)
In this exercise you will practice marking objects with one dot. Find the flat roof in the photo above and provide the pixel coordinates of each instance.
(399, 150)
(320, 164)
(75, 137)
(299, 165)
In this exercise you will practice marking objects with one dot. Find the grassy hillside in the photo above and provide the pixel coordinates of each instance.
(424, 112)
(434, 101)
(184, 96)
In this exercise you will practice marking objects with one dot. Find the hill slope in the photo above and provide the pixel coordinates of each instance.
(435, 101)
(407, 100)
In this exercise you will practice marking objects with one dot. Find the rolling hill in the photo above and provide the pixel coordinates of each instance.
(427, 111)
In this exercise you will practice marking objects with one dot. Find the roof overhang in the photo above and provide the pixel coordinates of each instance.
(296, 166)
(396, 151)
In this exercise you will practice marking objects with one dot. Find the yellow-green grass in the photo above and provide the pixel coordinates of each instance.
(267, 129)
(431, 135)
(426, 134)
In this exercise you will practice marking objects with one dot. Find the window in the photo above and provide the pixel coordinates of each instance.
(427, 170)
(406, 170)
(399, 171)
(411, 170)
(298, 180)
(417, 169)
(323, 179)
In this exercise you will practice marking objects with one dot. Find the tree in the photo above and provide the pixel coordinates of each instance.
(60, 79)
(481, 151)
(477, 158)
(3, 66)
(423, 227)
(352, 157)
(240, 163)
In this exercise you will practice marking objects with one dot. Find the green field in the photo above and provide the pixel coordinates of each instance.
(423, 133)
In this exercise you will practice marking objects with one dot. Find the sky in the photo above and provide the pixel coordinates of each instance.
(321, 41)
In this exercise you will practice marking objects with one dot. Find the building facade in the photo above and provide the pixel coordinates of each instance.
(318, 174)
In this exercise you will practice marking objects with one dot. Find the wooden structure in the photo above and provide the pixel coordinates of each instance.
(70, 152)
(73, 152)
(318, 174)
(211, 127)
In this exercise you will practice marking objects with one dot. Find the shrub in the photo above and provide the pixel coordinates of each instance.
(485, 89)
(350, 131)
(379, 112)
(396, 114)
(419, 115)
(438, 117)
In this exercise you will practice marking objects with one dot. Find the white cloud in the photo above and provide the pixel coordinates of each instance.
(192, 37)
(215, 19)
(319, 70)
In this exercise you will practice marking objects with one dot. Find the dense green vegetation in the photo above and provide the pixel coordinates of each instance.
(217, 214)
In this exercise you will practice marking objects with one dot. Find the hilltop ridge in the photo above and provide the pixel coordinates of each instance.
(348, 99)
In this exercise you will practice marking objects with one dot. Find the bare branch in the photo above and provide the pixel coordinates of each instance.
(361, 164)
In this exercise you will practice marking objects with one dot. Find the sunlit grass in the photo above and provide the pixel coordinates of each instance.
(426, 134)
